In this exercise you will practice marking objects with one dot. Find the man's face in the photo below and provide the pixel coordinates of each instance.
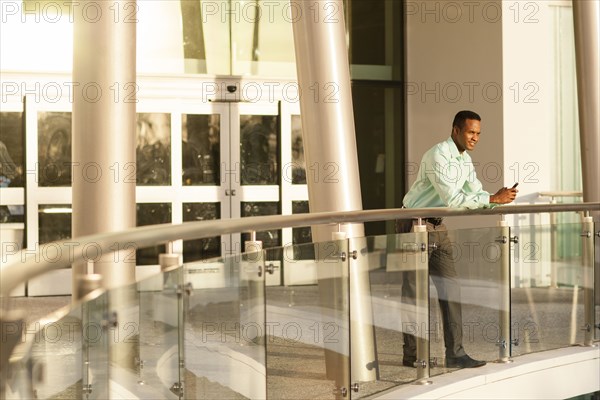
(467, 137)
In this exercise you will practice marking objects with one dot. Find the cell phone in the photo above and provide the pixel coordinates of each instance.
(515, 185)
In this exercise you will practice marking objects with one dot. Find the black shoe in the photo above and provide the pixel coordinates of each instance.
(409, 361)
(463, 362)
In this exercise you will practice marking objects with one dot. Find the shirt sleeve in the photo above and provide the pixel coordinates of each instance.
(454, 187)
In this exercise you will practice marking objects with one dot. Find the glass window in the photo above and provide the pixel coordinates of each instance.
(270, 238)
(223, 37)
(153, 150)
(376, 38)
(151, 214)
(379, 132)
(259, 149)
(302, 235)
(54, 222)
(201, 249)
(194, 50)
(298, 162)
(262, 38)
(54, 149)
(12, 214)
(201, 156)
(37, 35)
(12, 152)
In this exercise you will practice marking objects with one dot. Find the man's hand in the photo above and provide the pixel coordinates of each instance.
(504, 196)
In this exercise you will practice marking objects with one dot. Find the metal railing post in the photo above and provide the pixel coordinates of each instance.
(504, 342)
(362, 326)
(333, 277)
(554, 247)
(422, 305)
(588, 280)
(253, 310)
(168, 260)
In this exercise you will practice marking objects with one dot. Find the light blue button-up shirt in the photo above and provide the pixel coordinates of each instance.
(446, 179)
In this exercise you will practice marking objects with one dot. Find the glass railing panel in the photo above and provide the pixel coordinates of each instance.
(63, 358)
(141, 324)
(145, 345)
(466, 294)
(547, 288)
(97, 335)
(308, 342)
(224, 348)
(392, 261)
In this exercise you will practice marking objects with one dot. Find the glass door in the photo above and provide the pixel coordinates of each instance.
(195, 160)
(255, 162)
(205, 159)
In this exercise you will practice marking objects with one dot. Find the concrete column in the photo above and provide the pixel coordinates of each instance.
(330, 150)
(586, 19)
(104, 121)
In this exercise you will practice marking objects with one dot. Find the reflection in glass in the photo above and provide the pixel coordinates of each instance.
(270, 238)
(470, 262)
(224, 329)
(313, 361)
(151, 214)
(393, 260)
(95, 350)
(11, 162)
(11, 149)
(547, 308)
(259, 149)
(303, 234)
(201, 248)
(54, 148)
(200, 149)
(381, 159)
(298, 162)
(12, 214)
(67, 361)
(153, 150)
(153, 340)
(54, 222)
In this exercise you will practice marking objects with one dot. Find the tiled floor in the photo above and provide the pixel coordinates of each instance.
(35, 308)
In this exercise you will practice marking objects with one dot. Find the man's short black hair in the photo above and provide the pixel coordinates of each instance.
(462, 116)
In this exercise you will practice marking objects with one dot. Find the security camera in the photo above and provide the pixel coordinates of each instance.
(231, 88)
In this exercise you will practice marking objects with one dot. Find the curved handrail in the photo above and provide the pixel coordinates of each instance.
(71, 251)
(561, 194)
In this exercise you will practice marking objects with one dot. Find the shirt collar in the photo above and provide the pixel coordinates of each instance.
(454, 150)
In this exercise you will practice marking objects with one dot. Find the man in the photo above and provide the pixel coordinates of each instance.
(447, 179)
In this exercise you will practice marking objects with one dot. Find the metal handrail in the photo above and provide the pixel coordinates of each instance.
(561, 194)
(32, 264)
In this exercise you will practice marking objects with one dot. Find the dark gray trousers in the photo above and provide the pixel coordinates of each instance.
(444, 277)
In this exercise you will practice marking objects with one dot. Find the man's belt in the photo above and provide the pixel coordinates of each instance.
(434, 221)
